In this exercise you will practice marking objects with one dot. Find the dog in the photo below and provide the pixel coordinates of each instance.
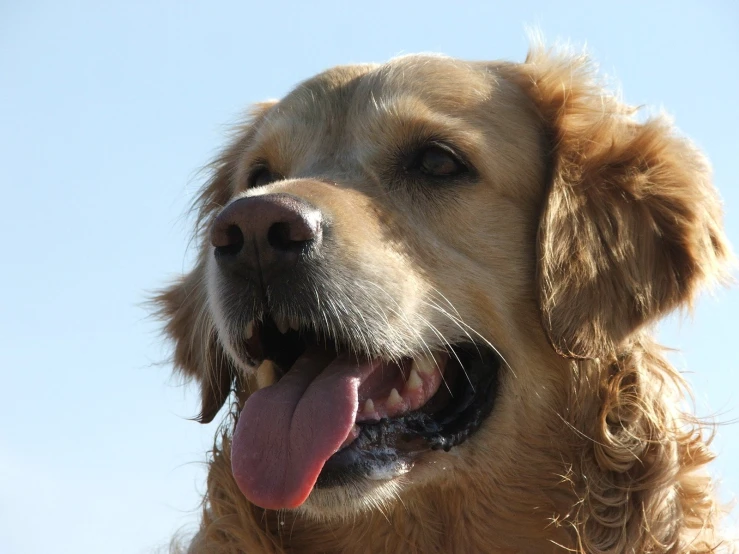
(426, 292)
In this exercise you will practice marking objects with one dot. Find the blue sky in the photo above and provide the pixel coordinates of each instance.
(108, 110)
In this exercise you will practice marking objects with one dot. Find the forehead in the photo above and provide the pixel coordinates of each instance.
(333, 110)
(443, 82)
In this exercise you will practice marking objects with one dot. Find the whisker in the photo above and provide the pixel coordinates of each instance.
(482, 338)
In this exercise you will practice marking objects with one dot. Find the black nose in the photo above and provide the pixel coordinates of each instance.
(259, 237)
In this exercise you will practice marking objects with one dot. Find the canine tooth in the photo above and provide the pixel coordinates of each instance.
(369, 406)
(414, 382)
(249, 329)
(265, 374)
(282, 325)
(295, 323)
(424, 365)
(394, 399)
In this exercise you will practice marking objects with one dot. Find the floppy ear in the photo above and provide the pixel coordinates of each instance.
(197, 352)
(184, 306)
(631, 225)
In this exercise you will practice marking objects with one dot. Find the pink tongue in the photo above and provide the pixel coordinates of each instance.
(287, 431)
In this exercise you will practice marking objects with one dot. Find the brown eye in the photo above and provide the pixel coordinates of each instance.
(260, 176)
(438, 161)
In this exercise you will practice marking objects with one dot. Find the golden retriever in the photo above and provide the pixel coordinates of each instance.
(426, 290)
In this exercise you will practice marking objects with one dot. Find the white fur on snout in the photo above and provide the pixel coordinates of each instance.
(224, 331)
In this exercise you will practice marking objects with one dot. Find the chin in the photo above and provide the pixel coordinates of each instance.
(351, 500)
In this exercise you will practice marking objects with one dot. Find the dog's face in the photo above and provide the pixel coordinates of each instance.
(380, 229)
(398, 262)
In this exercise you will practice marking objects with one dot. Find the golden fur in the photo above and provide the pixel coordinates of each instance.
(585, 228)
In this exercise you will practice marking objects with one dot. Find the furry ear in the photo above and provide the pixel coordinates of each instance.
(184, 307)
(631, 225)
(197, 352)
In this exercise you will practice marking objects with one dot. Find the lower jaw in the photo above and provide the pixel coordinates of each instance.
(355, 463)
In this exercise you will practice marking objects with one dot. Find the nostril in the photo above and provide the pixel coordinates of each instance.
(234, 242)
(281, 237)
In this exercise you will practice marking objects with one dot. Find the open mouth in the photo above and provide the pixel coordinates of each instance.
(325, 415)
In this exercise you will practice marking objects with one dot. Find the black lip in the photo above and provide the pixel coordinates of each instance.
(393, 444)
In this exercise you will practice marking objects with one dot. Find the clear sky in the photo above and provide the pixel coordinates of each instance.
(108, 110)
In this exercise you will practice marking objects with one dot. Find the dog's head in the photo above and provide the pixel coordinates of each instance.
(399, 264)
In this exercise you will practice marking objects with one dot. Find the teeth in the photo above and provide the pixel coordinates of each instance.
(424, 365)
(295, 323)
(265, 374)
(282, 325)
(394, 399)
(249, 329)
(414, 382)
(369, 407)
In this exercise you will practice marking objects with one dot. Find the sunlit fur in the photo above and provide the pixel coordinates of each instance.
(585, 228)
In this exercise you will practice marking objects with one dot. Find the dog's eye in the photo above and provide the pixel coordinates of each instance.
(260, 176)
(438, 161)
